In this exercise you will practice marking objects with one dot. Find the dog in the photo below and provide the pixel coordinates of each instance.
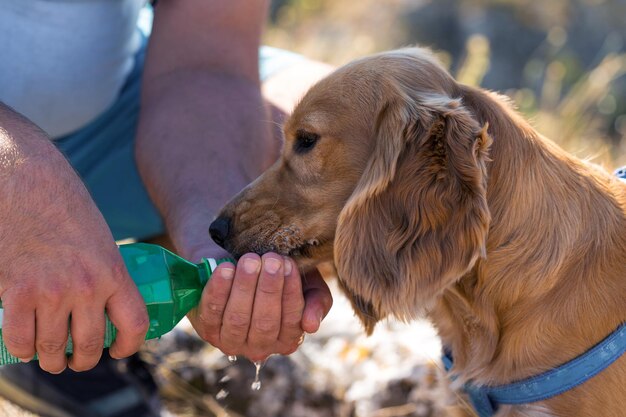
(437, 199)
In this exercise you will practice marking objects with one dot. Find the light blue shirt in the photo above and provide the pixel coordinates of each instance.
(63, 62)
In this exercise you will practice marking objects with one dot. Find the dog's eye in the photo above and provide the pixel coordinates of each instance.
(305, 141)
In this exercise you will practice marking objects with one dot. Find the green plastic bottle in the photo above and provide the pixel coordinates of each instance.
(169, 284)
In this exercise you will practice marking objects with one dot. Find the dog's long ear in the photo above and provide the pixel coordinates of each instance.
(418, 218)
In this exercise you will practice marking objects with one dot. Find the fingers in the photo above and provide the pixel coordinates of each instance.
(87, 329)
(207, 318)
(238, 311)
(18, 329)
(259, 308)
(318, 301)
(37, 320)
(127, 312)
(293, 306)
(266, 316)
(51, 338)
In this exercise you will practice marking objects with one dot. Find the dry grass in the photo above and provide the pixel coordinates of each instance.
(8, 409)
(338, 372)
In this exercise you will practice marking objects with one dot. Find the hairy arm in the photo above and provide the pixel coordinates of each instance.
(59, 258)
(204, 129)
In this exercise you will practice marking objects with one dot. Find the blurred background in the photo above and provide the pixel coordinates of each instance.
(561, 61)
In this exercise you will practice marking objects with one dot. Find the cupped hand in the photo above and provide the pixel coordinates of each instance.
(260, 307)
(61, 270)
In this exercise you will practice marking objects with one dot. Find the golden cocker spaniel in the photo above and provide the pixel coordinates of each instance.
(435, 198)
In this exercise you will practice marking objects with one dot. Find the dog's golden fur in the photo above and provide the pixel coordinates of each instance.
(436, 198)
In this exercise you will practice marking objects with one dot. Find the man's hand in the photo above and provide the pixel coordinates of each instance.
(58, 259)
(260, 308)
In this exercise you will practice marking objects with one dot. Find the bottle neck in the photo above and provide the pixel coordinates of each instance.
(208, 265)
(206, 268)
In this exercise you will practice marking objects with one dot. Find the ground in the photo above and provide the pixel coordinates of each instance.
(337, 372)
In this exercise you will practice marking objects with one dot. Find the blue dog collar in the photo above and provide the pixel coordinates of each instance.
(486, 399)
(621, 173)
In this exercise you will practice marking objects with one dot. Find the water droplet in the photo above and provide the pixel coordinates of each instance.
(232, 358)
(256, 385)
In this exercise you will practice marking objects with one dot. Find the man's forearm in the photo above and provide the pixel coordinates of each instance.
(20, 140)
(202, 137)
(58, 258)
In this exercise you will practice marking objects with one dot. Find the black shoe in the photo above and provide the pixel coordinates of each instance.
(114, 388)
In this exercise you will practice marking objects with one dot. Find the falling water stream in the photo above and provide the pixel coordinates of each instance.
(256, 384)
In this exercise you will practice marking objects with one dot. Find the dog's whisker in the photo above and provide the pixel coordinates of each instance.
(436, 362)
(302, 275)
(275, 202)
(273, 122)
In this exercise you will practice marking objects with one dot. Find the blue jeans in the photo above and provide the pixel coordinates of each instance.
(103, 154)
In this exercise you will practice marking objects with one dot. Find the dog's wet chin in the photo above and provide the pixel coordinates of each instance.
(303, 253)
(300, 252)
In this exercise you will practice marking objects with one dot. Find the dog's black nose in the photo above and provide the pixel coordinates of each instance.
(219, 230)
